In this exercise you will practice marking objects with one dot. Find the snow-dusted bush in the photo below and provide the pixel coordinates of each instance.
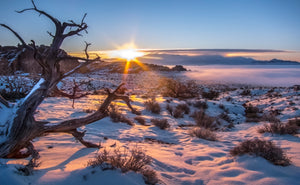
(179, 111)
(252, 113)
(161, 123)
(15, 87)
(279, 128)
(203, 134)
(116, 116)
(184, 107)
(203, 120)
(152, 106)
(200, 104)
(178, 88)
(126, 160)
(170, 109)
(140, 120)
(211, 95)
(262, 148)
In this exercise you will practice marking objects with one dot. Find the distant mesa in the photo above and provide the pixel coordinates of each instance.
(173, 59)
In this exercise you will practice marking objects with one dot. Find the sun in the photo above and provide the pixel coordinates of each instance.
(127, 51)
(129, 54)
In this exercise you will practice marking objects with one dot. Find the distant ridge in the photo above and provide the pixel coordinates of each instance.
(169, 59)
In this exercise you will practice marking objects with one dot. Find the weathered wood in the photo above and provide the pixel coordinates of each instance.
(21, 128)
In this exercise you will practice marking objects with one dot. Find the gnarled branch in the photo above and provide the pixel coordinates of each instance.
(68, 125)
(4, 102)
(16, 34)
(54, 20)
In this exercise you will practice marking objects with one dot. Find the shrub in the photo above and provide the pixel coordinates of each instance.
(116, 116)
(127, 160)
(279, 128)
(225, 117)
(202, 120)
(262, 148)
(251, 113)
(211, 95)
(246, 92)
(184, 107)
(170, 109)
(140, 120)
(152, 106)
(33, 163)
(200, 104)
(270, 118)
(180, 110)
(295, 121)
(177, 88)
(15, 87)
(161, 123)
(203, 134)
(178, 113)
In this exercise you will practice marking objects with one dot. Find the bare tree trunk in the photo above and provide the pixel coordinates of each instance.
(20, 127)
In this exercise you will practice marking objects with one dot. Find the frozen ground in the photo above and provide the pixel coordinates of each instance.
(181, 159)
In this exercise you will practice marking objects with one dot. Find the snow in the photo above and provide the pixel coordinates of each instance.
(5, 126)
(187, 160)
(35, 88)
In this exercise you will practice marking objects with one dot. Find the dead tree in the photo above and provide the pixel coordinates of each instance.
(19, 127)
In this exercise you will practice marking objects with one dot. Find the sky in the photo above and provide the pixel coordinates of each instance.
(162, 24)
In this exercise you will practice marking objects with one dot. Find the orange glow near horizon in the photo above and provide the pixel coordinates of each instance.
(126, 51)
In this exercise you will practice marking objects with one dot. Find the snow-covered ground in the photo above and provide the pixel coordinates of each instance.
(179, 158)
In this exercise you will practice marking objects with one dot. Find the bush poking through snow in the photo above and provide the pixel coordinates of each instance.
(262, 148)
(170, 109)
(211, 95)
(140, 120)
(270, 117)
(252, 113)
(295, 121)
(203, 120)
(161, 123)
(152, 106)
(200, 104)
(184, 107)
(116, 116)
(126, 160)
(279, 128)
(32, 164)
(177, 88)
(203, 134)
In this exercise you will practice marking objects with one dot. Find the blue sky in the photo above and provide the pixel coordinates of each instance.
(163, 24)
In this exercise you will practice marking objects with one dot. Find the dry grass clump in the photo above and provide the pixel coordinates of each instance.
(262, 148)
(252, 113)
(291, 127)
(200, 104)
(161, 123)
(179, 111)
(270, 117)
(127, 160)
(33, 163)
(295, 121)
(116, 116)
(152, 106)
(279, 128)
(246, 92)
(178, 88)
(184, 107)
(140, 120)
(211, 95)
(203, 120)
(203, 134)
